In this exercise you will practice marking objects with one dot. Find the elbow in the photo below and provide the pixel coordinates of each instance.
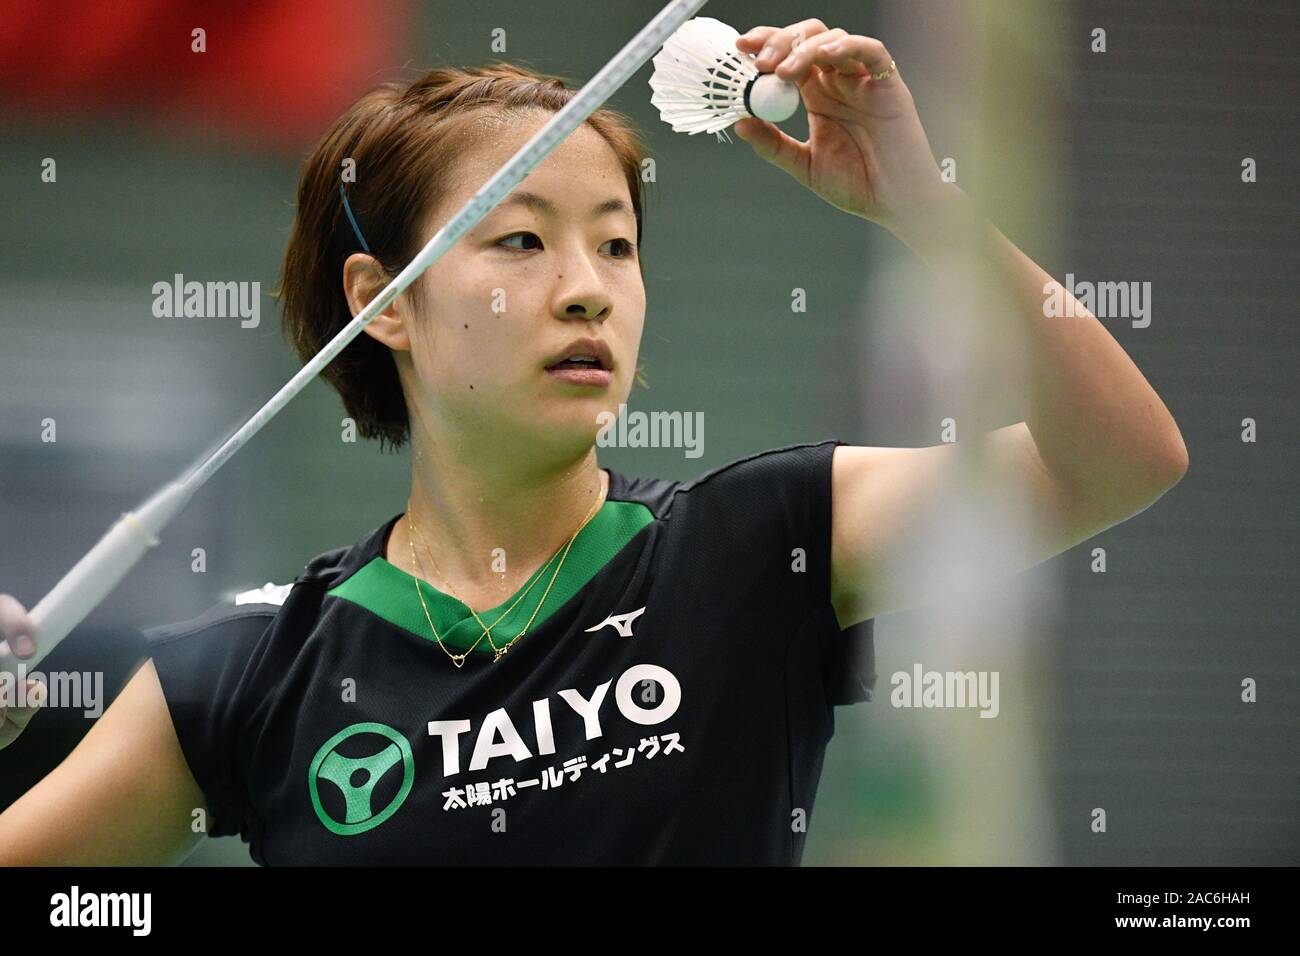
(1160, 472)
(1120, 496)
(1174, 463)
(1131, 482)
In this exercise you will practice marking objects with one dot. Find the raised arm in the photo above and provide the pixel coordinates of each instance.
(1096, 446)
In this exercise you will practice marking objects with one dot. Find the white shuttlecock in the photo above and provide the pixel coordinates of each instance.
(703, 84)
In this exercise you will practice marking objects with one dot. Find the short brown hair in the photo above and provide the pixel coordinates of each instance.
(403, 138)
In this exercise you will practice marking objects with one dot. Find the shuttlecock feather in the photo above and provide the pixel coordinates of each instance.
(703, 84)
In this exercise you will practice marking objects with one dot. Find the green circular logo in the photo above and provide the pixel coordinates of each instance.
(357, 777)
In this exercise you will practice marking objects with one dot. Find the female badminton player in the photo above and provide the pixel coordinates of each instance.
(540, 660)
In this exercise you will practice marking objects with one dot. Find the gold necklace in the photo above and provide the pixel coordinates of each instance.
(459, 659)
(499, 651)
(487, 628)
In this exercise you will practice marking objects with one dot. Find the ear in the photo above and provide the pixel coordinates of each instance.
(363, 279)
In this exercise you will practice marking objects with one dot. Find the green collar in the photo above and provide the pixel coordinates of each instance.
(389, 592)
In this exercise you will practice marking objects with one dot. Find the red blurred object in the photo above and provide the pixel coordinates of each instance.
(275, 72)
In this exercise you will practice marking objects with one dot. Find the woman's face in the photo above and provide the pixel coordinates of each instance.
(519, 289)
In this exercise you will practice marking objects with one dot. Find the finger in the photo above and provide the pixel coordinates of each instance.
(800, 62)
(37, 695)
(868, 52)
(16, 626)
(13, 617)
(14, 720)
(780, 43)
(776, 146)
(831, 55)
(755, 39)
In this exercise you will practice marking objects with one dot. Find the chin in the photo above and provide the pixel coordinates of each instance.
(570, 429)
(579, 431)
(574, 417)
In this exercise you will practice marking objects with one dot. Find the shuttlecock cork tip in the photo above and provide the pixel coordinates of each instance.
(772, 98)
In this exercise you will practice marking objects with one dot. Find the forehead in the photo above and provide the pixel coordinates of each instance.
(581, 170)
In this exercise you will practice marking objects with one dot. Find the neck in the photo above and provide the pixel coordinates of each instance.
(474, 516)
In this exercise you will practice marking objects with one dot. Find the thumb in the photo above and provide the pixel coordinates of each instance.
(775, 146)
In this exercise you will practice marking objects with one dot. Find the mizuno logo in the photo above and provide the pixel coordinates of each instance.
(622, 622)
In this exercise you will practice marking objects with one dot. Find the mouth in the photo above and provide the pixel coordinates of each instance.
(584, 361)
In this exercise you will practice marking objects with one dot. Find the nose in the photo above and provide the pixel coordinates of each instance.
(580, 290)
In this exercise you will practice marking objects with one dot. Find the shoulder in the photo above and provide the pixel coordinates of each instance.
(223, 617)
(802, 469)
(229, 635)
(789, 462)
(768, 513)
(781, 494)
(236, 612)
(210, 654)
(246, 614)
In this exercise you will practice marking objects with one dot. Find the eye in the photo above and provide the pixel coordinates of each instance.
(521, 235)
(628, 246)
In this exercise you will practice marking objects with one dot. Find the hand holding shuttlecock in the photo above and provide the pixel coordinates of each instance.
(703, 84)
(866, 152)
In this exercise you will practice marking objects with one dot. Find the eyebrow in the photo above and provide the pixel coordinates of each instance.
(543, 205)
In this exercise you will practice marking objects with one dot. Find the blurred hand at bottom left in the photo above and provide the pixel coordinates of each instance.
(18, 630)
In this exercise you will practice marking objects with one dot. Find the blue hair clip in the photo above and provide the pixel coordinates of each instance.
(351, 218)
